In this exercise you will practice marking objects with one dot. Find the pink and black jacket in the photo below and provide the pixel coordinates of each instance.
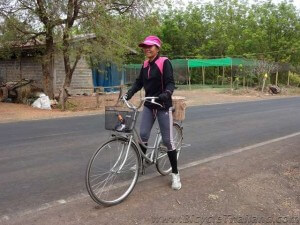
(156, 77)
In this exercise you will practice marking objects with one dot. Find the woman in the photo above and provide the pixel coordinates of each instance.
(156, 77)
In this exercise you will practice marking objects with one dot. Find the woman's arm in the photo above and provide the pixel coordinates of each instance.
(168, 81)
(168, 77)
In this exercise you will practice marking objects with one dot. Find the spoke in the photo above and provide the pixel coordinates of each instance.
(99, 183)
(111, 185)
(101, 171)
(95, 177)
(101, 190)
(125, 171)
(110, 179)
(133, 161)
(164, 163)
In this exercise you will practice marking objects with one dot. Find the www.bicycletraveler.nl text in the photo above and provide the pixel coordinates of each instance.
(227, 219)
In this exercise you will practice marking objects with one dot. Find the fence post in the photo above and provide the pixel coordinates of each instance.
(189, 76)
(231, 78)
(223, 76)
(264, 82)
(276, 80)
(190, 87)
(288, 81)
(203, 75)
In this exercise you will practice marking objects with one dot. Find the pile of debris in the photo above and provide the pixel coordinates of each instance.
(22, 91)
(273, 89)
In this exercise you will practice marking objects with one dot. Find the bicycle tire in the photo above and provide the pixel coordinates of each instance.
(163, 165)
(105, 167)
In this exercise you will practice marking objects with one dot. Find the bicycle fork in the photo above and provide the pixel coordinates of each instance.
(123, 151)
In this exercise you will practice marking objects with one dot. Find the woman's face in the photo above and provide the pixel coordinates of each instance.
(150, 51)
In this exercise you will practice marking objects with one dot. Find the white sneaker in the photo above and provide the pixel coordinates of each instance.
(176, 184)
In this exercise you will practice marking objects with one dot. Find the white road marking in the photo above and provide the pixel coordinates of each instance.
(147, 177)
(235, 151)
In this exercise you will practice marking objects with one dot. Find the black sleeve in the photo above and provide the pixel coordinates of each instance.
(168, 77)
(137, 85)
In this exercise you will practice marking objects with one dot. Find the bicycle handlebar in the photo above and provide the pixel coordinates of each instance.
(132, 106)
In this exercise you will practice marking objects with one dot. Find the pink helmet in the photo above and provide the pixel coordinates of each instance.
(151, 40)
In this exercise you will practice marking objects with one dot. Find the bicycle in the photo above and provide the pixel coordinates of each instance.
(114, 168)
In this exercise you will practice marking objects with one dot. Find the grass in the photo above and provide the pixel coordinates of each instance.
(291, 90)
(69, 106)
(240, 91)
(200, 86)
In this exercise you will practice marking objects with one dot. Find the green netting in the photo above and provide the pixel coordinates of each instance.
(181, 67)
(180, 70)
(194, 63)
(133, 66)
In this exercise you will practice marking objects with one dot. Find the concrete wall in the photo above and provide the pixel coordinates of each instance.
(30, 68)
(82, 80)
(16, 69)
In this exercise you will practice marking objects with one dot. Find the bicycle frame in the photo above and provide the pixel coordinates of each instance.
(125, 163)
(135, 138)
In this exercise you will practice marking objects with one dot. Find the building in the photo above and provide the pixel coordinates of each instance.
(84, 79)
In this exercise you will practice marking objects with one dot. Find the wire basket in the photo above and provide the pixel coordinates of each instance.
(119, 119)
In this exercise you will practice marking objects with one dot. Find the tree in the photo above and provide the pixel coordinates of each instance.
(57, 21)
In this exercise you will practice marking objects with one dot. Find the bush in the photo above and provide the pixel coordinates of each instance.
(295, 79)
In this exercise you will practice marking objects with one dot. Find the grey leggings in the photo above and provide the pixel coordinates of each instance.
(165, 121)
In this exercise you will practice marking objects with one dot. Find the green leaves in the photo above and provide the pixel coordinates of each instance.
(234, 28)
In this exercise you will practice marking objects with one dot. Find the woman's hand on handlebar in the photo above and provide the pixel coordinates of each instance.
(125, 99)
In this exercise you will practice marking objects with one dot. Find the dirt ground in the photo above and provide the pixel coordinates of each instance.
(87, 105)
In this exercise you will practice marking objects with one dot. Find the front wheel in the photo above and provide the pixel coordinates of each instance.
(112, 172)
(163, 165)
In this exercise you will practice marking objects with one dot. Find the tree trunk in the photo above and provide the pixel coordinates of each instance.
(68, 70)
(47, 66)
(263, 86)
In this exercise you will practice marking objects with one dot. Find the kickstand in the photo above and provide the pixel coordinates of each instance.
(143, 170)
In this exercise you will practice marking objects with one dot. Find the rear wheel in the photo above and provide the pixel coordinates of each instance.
(163, 165)
(112, 172)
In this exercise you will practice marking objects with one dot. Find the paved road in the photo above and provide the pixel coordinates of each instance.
(43, 161)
